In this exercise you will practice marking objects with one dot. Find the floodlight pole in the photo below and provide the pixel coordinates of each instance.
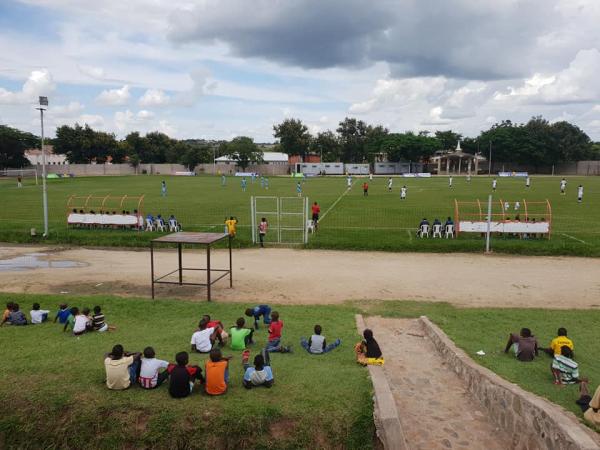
(490, 160)
(214, 161)
(44, 102)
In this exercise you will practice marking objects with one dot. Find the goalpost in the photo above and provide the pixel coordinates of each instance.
(287, 218)
(23, 173)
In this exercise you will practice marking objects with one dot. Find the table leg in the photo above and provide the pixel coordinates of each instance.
(180, 266)
(230, 268)
(208, 271)
(152, 266)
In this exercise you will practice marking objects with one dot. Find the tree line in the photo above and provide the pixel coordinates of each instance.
(537, 142)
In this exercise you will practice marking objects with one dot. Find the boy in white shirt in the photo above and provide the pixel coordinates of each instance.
(403, 193)
(150, 377)
(203, 338)
(450, 182)
(494, 184)
(317, 345)
(579, 193)
(38, 315)
(563, 186)
(390, 181)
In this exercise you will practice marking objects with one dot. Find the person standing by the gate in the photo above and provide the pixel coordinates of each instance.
(316, 210)
(263, 227)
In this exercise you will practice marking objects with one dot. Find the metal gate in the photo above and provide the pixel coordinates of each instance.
(287, 218)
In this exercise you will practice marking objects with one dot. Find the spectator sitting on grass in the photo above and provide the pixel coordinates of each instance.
(240, 336)
(524, 345)
(122, 368)
(257, 311)
(589, 405)
(38, 315)
(220, 333)
(62, 316)
(558, 343)
(564, 369)
(316, 344)
(274, 341)
(217, 373)
(77, 321)
(99, 321)
(259, 375)
(150, 375)
(368, 351)
(6, 312)
(202, 340)
(182, 376)
(16, 316)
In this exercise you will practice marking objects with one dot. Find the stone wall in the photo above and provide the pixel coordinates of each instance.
(534, 422)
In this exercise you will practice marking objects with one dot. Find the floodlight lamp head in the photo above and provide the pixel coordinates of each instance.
(43, 101)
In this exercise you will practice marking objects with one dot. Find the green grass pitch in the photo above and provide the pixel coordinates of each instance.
(349, 220)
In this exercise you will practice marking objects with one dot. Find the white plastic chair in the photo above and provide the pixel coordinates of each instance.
(149, 225)
(424, 231)
(437, 230)
(160, 225)
(310, 225)
(173, 226)
(450, 231)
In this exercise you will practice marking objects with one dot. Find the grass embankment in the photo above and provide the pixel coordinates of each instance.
(349, 220)
(52, 393)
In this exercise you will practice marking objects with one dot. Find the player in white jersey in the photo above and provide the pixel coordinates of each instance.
(450, 182)
(370, 176)
(579, 193)
(390, 181)
(494, 184)
(563, 186)
(527, 182)
(403, 193)
(349, 181)
(506, 206)
(517, 206)
(469, 178)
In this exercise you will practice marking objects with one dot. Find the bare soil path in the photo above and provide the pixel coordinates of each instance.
(435, 410)
(319, 276)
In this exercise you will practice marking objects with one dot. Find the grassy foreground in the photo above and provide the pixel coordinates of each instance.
(349, 220)
(53, 384)
(52, 393)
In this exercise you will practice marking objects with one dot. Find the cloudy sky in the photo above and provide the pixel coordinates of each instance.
(221, 68)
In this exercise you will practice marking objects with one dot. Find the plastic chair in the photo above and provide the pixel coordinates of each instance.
(149, 225)
(173, 226)
(310, 225)
(160, 225)
(437, 230)
(450, 231)
(424, 231)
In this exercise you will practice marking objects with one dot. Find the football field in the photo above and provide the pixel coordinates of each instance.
(349, 220)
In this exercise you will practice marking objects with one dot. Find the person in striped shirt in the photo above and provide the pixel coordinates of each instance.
(564, 368)
(99, 321)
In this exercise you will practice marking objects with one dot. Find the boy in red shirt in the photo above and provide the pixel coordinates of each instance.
(274, 343)
(365, 189)
(316, 210)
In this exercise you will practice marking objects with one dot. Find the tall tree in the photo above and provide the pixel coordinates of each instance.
(355, 136)
(244, 151)
(448, 139)
(196, 154)
(13, 144)
(408, 146)
(327, 146)
(293, 136)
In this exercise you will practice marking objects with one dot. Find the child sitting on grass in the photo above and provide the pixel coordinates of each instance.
(368, 351)
(217, 373)
(6, 312)
(99, 321)
(202, 339)
(62, 316)
(558, 343)
(259, 375)
(38, 315)
(150, 375)
(182, 376)
(274, 342)
(524, 345)
(257, 312)
(564, 369)
(220, 333)
(121, 368)
(78, 322)
(15, 316)
(316, 344)
(240, 336)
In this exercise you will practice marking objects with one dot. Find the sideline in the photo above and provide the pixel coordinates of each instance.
(574, 238)
(336, 202)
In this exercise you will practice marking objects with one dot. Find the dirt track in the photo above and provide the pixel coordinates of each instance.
(302, 276)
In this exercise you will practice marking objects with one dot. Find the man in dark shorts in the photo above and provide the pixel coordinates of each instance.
(316, 209)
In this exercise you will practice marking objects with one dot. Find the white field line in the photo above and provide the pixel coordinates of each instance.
(335, 203)
(574, 238)
(410, 238)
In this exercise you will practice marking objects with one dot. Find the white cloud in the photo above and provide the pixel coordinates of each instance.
(96, 73)
(114, 97)
(154, 97)
(39, 83)
(69, 109)
(93, 120)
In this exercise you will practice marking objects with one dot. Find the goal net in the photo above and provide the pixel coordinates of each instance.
(286, 216)
(27, 176)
